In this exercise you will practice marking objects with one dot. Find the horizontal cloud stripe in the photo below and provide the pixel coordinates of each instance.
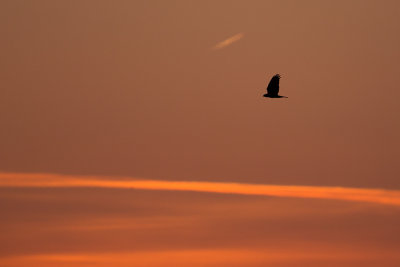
(391, 197)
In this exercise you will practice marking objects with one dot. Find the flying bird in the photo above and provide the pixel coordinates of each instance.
(273, 87)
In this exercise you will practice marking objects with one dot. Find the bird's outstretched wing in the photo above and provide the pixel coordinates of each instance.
(273, 86)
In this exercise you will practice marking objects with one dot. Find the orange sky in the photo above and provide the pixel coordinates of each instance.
(172, 91)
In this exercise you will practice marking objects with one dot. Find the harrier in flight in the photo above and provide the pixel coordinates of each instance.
(273, 88)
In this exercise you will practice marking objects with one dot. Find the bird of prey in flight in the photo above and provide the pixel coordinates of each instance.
(273, 88)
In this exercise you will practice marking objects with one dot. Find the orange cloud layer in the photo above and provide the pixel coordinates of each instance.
(390, 197)
(196, 258)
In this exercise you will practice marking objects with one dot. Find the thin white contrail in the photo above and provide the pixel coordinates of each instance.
(229, 41)
(381, 196)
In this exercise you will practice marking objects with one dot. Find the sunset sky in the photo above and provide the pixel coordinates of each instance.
(134, 133)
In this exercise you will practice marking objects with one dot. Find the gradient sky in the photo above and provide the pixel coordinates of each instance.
(172, 91)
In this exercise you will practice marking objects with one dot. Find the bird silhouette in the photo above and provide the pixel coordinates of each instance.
(273, 88)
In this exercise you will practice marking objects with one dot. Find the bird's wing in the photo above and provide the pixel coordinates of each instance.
(273, 86)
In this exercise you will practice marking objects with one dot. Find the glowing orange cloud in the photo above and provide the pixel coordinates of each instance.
(195, 258)
(229, 41)
(390, 197)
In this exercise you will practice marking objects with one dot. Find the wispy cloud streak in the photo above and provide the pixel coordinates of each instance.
(390, 197)
(229, 41)
(199, 257)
